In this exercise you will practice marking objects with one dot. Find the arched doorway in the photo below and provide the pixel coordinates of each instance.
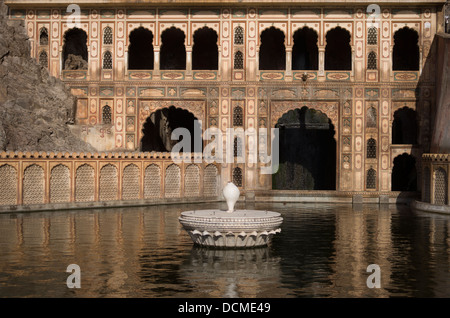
(307, 151)
(158, 128)
(404, 174)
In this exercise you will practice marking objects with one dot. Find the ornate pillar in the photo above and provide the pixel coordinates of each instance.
(288, 73)
(189, 61)
(156, 71)
(322, 60)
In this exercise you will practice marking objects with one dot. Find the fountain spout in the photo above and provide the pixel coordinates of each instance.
(231, 193)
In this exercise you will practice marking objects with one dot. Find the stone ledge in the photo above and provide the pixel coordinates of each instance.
(103, 205)
(431, 208)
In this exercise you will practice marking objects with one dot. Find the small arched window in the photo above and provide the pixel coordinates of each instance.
(107, 61)
(371, 148)
(43, 36)
(371, 179)
(107, 35)
(106, 114)
(238, 60)
(237, 177)
(238, 116)
(372, 36)
(239, 35)
(372, 61)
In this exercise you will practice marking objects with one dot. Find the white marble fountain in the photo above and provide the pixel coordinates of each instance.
(232, 228)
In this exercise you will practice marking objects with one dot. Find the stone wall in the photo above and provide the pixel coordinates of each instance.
(66, 180)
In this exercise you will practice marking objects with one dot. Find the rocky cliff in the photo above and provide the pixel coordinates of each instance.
(35, 108)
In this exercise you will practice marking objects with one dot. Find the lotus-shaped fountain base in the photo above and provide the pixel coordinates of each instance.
(242, 228)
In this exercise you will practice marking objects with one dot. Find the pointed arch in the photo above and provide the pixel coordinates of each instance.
(33, 185)
(130, 182)
(60, 184)
(239, 35)
(372, 61)
(152, 181)
(107, 61)
(75, 52)
(237, 176)
(8, 184)
(107, 35)
(173, 50)
(238, 116)
(84, 183)
(238, 60)
(406, 54)
(371, 179)
(106, 115)
(272, 51)
(338, 51)
(372, 36)
(108, 183)
(305, 53)
(371, 148)
(205, 52)
(140, 50)
(43, 36)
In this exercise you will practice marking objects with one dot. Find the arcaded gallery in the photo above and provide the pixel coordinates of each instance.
(351, 91)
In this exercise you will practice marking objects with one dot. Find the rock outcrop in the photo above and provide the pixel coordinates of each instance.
(35, 108)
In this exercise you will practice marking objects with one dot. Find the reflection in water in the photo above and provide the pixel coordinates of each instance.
(232, 273)
(322, 251)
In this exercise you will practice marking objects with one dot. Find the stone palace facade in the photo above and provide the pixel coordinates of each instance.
(350, 85)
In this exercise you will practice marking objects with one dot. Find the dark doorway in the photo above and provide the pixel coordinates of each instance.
(205, 52)
(140, 50)
(405, 55)
(404, 175)
(173, 51)
(305, 52)
(338, 52)
(159, 125)
(307, 151)
(75, 52)
(272, 52)
(404, 126)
